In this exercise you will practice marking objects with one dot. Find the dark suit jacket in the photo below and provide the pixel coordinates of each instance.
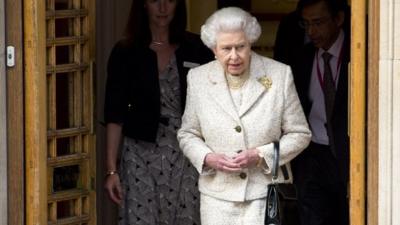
(133, 92)
(302, 70)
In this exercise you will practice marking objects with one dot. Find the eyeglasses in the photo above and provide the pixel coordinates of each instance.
(316, 23)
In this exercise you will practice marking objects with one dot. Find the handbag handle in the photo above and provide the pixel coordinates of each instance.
(275, 165)
(273, 211)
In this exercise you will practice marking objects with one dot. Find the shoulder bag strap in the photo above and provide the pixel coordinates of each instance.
(275, 166)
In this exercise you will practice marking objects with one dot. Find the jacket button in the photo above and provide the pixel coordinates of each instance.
(238, 129)
(243, 175)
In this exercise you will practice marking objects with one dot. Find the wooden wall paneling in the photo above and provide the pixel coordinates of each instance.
(373, 112)
(357, 118)
(35, 111)
(15, 115)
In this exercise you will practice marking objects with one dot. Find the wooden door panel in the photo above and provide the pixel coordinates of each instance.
(70, 138)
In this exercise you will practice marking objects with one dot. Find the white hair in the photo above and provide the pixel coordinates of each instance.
(230, 19)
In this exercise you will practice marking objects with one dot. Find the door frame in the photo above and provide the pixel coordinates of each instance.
(15, 114)
(3, 119)
(34, 29)
(357, 110)
(373, 113)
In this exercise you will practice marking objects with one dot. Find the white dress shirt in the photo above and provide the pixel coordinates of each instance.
(317, 116)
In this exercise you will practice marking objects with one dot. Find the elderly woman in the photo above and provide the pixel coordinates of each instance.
(237, 106)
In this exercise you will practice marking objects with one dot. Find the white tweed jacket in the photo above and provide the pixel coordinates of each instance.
(269, 112)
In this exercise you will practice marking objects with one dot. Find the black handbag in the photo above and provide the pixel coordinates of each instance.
(281, 197)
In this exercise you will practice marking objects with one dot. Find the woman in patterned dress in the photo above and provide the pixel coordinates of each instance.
(153, 183)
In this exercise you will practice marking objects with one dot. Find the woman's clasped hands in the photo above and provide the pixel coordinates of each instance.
(241, 160)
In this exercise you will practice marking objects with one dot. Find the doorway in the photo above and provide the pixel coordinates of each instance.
(67, 132)
(110, 28)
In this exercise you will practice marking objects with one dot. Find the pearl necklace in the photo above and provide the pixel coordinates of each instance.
(236, 82)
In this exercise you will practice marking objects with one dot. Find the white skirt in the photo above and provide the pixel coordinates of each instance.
(220, 212)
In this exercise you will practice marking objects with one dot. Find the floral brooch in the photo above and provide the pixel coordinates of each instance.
(265, 81)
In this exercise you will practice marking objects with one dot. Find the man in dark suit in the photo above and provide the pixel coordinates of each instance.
(320, 73)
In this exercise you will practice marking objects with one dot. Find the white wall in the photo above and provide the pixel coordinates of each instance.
(389, 113)
(3, 125)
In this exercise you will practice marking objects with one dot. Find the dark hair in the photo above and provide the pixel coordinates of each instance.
(334, 6)
(138, 31)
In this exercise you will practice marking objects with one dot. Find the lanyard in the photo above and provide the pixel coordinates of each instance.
(321, 81)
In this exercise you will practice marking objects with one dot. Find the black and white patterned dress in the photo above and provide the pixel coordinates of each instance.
(159, 182)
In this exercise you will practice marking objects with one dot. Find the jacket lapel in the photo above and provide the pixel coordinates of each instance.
(219, 91)
(254, 89)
